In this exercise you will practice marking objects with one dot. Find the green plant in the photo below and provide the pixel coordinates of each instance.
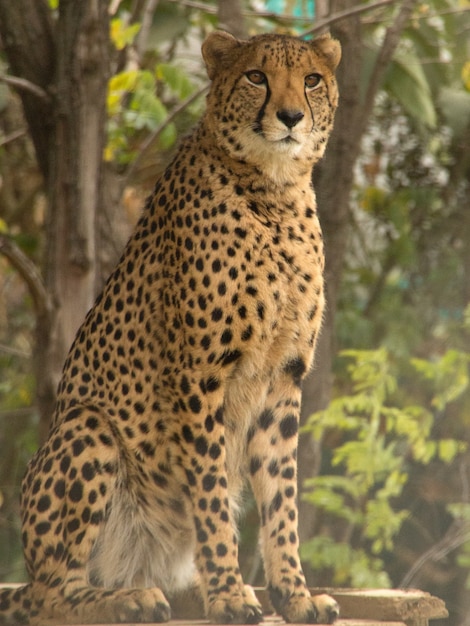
(379, 437)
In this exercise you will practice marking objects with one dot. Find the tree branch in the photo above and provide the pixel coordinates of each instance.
(292, 18)
(341, 15)
(28, 272)
(12, 137)
(386, 52)
(21, 84)
(146, 24)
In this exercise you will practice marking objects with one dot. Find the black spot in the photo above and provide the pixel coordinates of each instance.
(159, 480)
(255, 465)
(208, 482)
(296, 368)
(221, 549)
(76, 491)
(266, 419)
(215, 505)
(288, 426)
(240, 232)
(42, 528)
(185, 385)
(288, 473)
(212, 384)
(187, 433)
(209, 423)
(229, 356)
(77, 447)
(73, 525)
(247, 333)
(92, 423)
(215, 451)
(88, 471)
(72, 414)
(217, 314)
(59, 488)
(201, 445)
(273, 468)
(226, 337)
(195, 404)
(65, 464)
(44, 503)
(276, 504)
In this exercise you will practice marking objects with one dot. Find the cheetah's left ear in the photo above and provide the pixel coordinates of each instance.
(329, 48)
(216, 49)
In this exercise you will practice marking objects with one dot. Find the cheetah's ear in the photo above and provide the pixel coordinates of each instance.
(329, 48)
(216, 49)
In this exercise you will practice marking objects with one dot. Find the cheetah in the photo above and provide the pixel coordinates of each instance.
(185, 378)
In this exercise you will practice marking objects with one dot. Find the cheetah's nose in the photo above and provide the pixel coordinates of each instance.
(289, 118)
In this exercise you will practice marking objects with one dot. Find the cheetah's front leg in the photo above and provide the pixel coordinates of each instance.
(225, 596)
(272, 453)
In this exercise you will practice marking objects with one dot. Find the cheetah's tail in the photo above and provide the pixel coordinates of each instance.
(14, 605)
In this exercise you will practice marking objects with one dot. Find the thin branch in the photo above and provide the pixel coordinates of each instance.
(457, 535)
(21, 84)
(12, 137)
(389, 45)
(14, 351)
(29, 273)
(341, 15)
(293, 18)
(158, 131)
(146, 24)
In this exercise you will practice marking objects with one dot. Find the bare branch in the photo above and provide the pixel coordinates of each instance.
(341, 15)
(146, 24)
(12, 137)
(29, 273)
(21, 84)
(389, 45)
(293, 18)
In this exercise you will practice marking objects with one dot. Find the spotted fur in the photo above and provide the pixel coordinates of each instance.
(184, 379)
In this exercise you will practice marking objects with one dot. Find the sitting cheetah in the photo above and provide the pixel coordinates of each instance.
(185, 377)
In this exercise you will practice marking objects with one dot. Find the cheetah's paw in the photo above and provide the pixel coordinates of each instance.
(243, 609)
(299, 609)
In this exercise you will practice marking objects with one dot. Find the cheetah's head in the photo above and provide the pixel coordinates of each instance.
(272, 99)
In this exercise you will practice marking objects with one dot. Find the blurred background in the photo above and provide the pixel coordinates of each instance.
(93, 97)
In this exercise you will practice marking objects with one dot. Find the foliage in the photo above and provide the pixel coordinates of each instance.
(134, 107)
(378, 438)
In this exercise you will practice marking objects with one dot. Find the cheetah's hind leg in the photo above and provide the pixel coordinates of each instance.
(67, 494)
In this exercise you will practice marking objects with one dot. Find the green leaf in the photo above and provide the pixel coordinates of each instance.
(406, 81)
(176, 78)
(122, 34)
(455, 106)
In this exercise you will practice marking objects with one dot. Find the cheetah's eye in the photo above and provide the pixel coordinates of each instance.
(256, 77)
(312, 81)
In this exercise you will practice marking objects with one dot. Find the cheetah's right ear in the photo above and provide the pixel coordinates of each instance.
(216, 49)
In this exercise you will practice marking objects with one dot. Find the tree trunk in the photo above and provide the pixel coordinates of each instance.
(332, 181)
(230, 17)
(28, 40)
(68, 129)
